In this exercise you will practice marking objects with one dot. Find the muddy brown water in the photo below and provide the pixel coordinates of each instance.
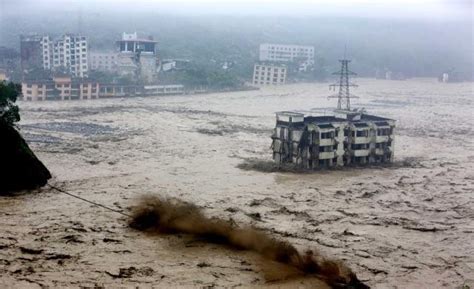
(406, 226)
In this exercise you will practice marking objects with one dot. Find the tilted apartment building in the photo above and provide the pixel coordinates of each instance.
(349, 137)
(314, 142)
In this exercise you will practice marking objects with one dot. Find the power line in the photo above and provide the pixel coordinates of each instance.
(88, 201)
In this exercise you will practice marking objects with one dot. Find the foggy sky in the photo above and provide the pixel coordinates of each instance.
(422, 9)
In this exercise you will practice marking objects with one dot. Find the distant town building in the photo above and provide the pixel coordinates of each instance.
(163, 89)
(3, 75)
(31, 52)
(9, 60)
(67, 53)
(174, 64)
(67, 88)
(137, 57)
(303, 55)
(103, 61)
(269, 74)
(59, 88)
(445, 77)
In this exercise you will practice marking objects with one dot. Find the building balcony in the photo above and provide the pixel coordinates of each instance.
(326, 142)
(326, 155)
(361, 153)
(361, 140)
(381, 138)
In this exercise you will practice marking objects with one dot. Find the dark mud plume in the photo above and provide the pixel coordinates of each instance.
(155, 214)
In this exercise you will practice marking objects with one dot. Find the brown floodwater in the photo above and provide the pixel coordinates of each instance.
(410, 225)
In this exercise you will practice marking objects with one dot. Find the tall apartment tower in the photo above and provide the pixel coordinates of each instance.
(68, 53)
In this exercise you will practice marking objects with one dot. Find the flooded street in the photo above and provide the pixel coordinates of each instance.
(410, 225)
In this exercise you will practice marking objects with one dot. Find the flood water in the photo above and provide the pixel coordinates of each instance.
(410, 225)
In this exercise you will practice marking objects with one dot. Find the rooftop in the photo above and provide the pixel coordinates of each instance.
(134, 37)
(323, 119)
(368, 117)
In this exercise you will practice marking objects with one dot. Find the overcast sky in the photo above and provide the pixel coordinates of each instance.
(424, 9)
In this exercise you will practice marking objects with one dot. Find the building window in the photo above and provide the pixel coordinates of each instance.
(362, 146)
(383, 131)
(362, 133)
(326, 135)
(325, 149)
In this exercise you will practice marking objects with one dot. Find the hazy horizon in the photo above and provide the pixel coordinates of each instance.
(421, 37)
(403, 9)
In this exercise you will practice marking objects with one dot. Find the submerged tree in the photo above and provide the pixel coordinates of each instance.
(9, 112)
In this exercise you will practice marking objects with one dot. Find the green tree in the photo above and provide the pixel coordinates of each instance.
(9, 111)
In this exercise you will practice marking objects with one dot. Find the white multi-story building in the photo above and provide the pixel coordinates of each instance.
(103, 61)
(68, 52)
(46, 51)
(304, 55)
(281, 52)
(269, 74)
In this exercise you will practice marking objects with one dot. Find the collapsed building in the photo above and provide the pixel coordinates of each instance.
(349, 137)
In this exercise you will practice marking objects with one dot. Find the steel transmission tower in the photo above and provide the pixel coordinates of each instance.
(344, 96)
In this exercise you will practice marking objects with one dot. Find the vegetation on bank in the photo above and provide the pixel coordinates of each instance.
(9, 111)
(20, 169)
(196, 76)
